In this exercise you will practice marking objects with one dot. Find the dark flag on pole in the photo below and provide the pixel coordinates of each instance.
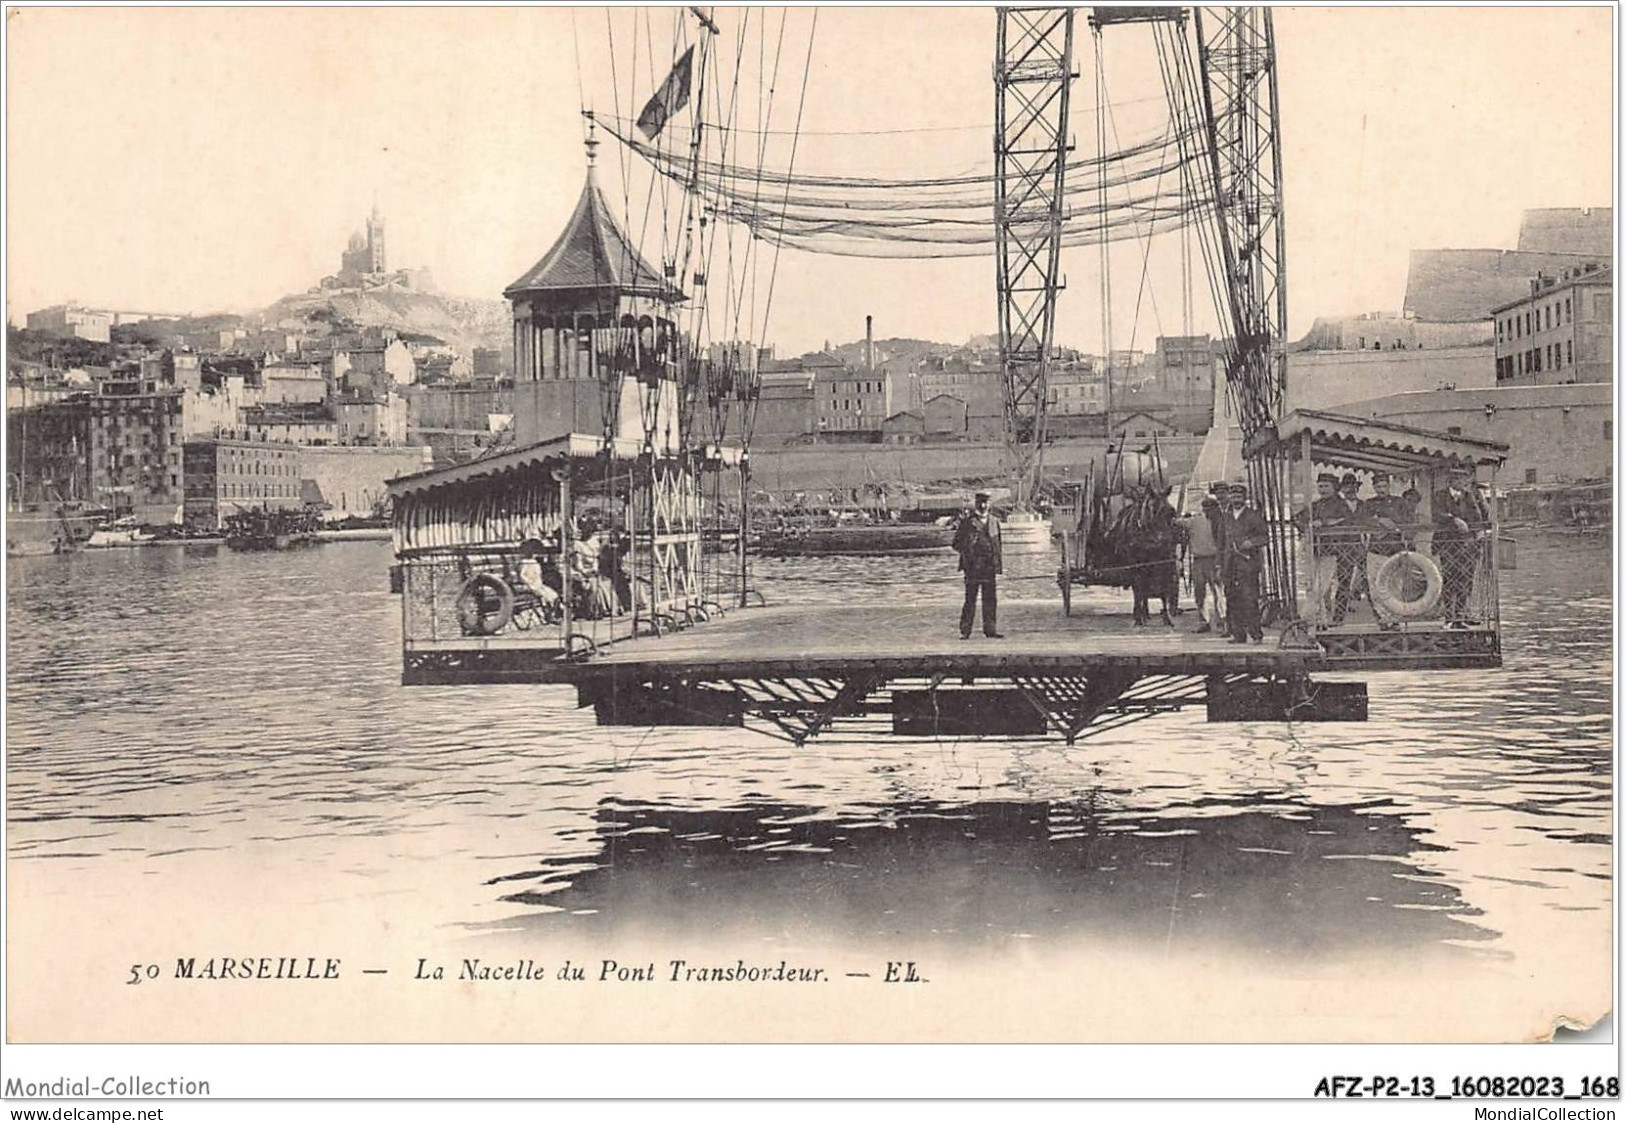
(669, 98)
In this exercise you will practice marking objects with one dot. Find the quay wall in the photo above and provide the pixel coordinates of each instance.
(822, 467)
(353, 477)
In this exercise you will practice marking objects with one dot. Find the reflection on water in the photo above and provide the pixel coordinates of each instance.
(1275, 878)
(165, 705)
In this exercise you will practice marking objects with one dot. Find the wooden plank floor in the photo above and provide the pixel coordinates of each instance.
(924, 639)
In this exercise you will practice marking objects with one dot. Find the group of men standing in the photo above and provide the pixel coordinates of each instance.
(1350, 531)
(1228, 539)
(1226, 544)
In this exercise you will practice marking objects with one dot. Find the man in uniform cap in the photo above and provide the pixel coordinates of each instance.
(1383, 514)
(1460, 519)
(1350, 544)
(1328, 518)
(1245, 537)
(981, 558)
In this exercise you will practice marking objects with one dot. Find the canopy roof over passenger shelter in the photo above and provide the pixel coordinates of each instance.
(1366, 444)
(571, 448)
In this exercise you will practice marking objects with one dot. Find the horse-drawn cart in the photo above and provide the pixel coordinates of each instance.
(1118, 531)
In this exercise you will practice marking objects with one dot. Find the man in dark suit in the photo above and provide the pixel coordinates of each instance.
(981, 559)
(1460, 522)
(1383, 514)
(1329, 515)
(1245, 537)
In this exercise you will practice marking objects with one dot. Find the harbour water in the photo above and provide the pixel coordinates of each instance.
(210, 753)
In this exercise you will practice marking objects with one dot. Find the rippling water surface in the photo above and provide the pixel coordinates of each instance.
(235, 722)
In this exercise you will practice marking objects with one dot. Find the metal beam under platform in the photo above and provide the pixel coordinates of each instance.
(796, 670)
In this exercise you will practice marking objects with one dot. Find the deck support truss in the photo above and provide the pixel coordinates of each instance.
(797, 708)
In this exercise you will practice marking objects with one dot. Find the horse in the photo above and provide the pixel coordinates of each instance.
(1143, 549)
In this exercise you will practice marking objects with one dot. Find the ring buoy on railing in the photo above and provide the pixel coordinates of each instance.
(485, 605)
(1395, 578)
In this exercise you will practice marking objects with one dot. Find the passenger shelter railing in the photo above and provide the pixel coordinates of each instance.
(1397, 541)
(567, 545)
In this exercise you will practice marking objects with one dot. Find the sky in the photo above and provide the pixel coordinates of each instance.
(190, 160)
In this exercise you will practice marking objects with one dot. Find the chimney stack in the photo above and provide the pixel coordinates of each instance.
(869, 343)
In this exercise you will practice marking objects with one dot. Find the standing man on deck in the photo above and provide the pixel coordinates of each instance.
(1460, 522)
(1245, 536)
(1384, 513)
(1328, 513)
(1203, 543)
(981, 558)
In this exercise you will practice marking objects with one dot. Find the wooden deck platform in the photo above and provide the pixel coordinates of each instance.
(800, 667)
(895, 640)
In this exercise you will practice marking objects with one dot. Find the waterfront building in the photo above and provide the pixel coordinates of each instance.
(946, 417)
(850, 404)
(904, 428)
(784, 407)
(135, 452)
(353, 480)
(48, 448)
(121, 450)
(225, 477)
(1076, 388)
(1561, 331)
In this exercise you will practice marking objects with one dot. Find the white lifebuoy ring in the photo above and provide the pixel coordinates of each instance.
(485, 605)
(1388, 589)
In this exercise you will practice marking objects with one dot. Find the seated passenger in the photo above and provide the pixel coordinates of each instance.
(593, 596)
(539, 578)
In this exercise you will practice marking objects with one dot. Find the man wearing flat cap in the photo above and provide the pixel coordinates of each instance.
(981, 558)
(1383, 514)
(1460, 520)
(1330, 518)
(1245, 537)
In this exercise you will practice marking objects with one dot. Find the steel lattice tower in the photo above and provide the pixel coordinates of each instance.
(1237, 51)
(1032, 79)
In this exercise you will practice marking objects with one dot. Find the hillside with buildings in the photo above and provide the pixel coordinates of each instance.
(462, 323)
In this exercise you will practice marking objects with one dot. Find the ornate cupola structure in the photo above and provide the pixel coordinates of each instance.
(595, 349)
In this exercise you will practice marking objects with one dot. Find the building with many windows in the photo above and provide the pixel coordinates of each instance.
(851, 402)
(224, 477)
(1562, 331)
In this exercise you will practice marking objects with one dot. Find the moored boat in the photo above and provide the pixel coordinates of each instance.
(856, 539)
(270, 530)
(121, 532)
